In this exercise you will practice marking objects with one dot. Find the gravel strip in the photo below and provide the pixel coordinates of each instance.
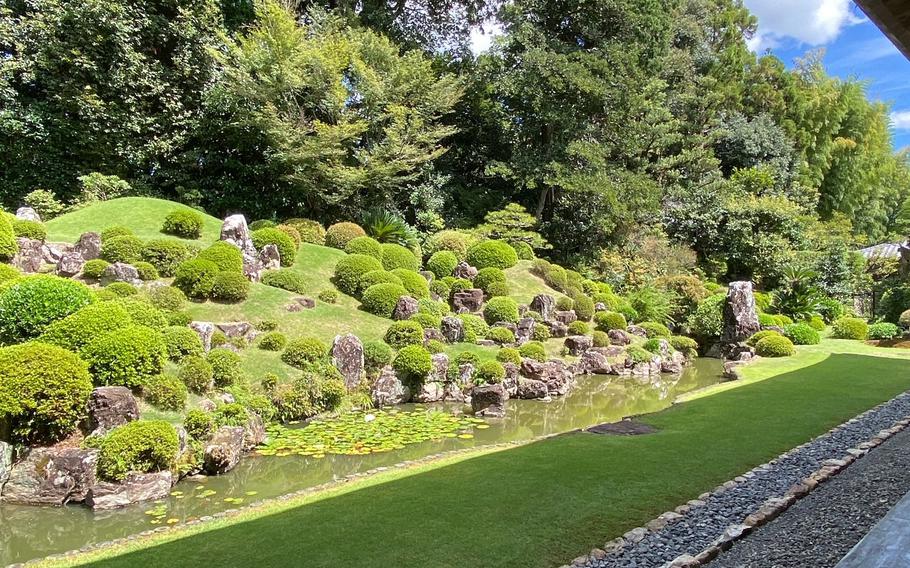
(705, 520)
(821, 528)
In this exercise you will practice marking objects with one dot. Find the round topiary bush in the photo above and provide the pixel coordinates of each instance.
(489, 372)
(301, 352)
(230, 287)
(432, 307)
(578, 328)
(816, 323)
(143, 313)
(638, 354)
(29, 230)
(340, 234)
(351, 269)
(474, 327)
(126, 356)
(508, 355)
(28, 305)
(655, 329)
(413, 282)
(453, 241)
(378, 277)
(802, 334)
(495, 289)
(166, 298)
(533, 350)
(293, 233)
(183, 223)
(181, 342)
(273, 341)
(284, 279)
(492, 253)
(883, 330)
(396, 256)
(8, 273)
(226, 369)
(167, 392)
(376, 355)
(442, 263)
(364, 245)
(458, 285)
(541, 333)
(600, 338)
(262, 224)
(584, 307)
(403, 333)
(440, 288)
(487, 276)
(328, 296)
(684, 344)
(115, 231)
(196, 373)
(413, 363)
(426, 320)
(758, 336)
(121, 289)
(286, 247)
(850, 328)
(8, 245)
(144, 446)
(565, 303)
(380, 299)
(435, 346)
(165, 255)
(225, 256)
(125, 248)
(196, 277)
(76, 330)
(501, 335)
(775, 346)
(606, 321)
(310, 231)
(147, 271)
(43, 391)
(501, 308)
(199, 424)
(523, 250)
(93, 269)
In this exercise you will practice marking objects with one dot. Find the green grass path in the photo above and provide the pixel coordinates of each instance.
(547, 502)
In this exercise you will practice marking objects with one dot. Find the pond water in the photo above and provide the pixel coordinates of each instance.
(31, 532)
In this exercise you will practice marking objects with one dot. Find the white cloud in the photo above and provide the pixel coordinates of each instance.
(810, 22)
(482, 36)
(900, 120)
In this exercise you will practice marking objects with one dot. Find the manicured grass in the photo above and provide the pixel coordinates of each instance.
(544, 503)
(524, 285)
(143, 215)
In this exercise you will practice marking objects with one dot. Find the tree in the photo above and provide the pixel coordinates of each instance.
(513, 224)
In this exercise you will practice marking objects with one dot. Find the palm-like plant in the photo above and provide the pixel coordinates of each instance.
(387, 227)
(797, 297)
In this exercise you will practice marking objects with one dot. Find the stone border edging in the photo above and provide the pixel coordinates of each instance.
(768, 511)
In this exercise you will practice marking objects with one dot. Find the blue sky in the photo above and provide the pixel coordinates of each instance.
(854, 47)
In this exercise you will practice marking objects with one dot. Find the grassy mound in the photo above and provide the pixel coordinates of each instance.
(142, 215)
(523, 285)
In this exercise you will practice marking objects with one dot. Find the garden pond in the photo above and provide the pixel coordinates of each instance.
(308, 455)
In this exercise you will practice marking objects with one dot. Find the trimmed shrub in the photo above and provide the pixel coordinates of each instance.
(474, 327)
(181, 342)
(126, 356)
(638, 354)
(683, 343)
(147, 271)
(396, 256)
(606, 321)
(495, 289)
(183, 223)
(533, 350)
(883, 330)
(426, 320)
(578, 328)
(458, 285)
(262, 224)
(273, 341)
(850, 328)
(144, 446)
(199, 425)
(196, 277)
(501, 335)
(904, 319)
(230, 287)
(758, 336)
(28, 305)
(43, 391)
(442, 263)
(378, 277)
(584, 307)
(121, 289)
(487, 276)
(435, 346)
(501, 308)
(286, 247)
(284, 279)
(293, 233)
(196, 373)
(816, 323)
(830, 309)
(29, 229)
(380, 299)
(44, 202)
(125, 248)
(492, 253)
(226, 368)
(453, 241)
(652, 345)
(166, 298)
(655, 329)
(466, 357)
(601, 339)
(489, 372)
(225, 256)
(219, 338)
(403, 333)
(509, 355)
(232, 414)
(541, 333)
(413, 282)
(774, 346)
(167, 392)
(310, 231)
(76, 330)
(328, 296)
(165, 255)
(565, 303)
(340, 234)
(801, 334)
(143, 313)
(115, 231)
(413, 363)
(301, 352)
(8, 273)
(523, 250)
(376, 354)
(766, 320)
(351, 269)
(707, 321)
(364, 245)
(440, 288)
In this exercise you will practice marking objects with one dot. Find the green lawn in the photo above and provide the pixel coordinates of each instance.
(544, 503)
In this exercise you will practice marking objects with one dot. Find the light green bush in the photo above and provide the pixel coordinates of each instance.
(29, 305)
(340, 234)
(501, 308)
(225, 256)
(775, 346)
(167, 392)
(183, 223)
(144, 446)
(305, 350)
(850, 328)
(492, 253)
(381, 299)
(126, 357)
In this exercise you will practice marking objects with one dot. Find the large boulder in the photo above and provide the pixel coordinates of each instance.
(440, 368)
(89, 246)
(347, 356)
(465, 271)
(109, 407)
(619, 337)
(388, 389)
(740, 313)
(120, 272)
(6, 462)
(205, 330)
(489, 400)
(51, 476)
(558, 329)
(234, 230)
(236, 329)
(637, 331)
(224, 450)
(27, 214)
(452, 329)
(524, 331)
(30, 257)
(53, 252)
(405, 308)
(70, 264)
(594, 362)
(465, 374)
(566, 316)
(578, 344)
(253, 432)
(453, 393)
(136, 488)
(672, 363)
(432, 334)
(468, 301)
(545, 305)
(430, 391)
(529, 389)
(270, 257)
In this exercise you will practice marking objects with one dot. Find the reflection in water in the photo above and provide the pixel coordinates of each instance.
(30, 532)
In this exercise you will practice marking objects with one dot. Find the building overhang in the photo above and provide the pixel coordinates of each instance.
(893, 18)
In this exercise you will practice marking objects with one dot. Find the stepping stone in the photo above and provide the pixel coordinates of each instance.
(624, 428)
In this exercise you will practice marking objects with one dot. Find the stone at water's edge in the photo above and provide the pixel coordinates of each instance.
(388, 389)
(51, 476)
(347, 357)
(595, 363)
(109, 407)
(89, 246)
(136, 488)
(224, 450)
(430, 392)
(405, 308)
(6, 463)
(619, 337)
(545, 305)
(27, 214)
(740, 314)
(204, 330)
(253, 432)
(578, 344)
(489, 400)
(530, 389)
